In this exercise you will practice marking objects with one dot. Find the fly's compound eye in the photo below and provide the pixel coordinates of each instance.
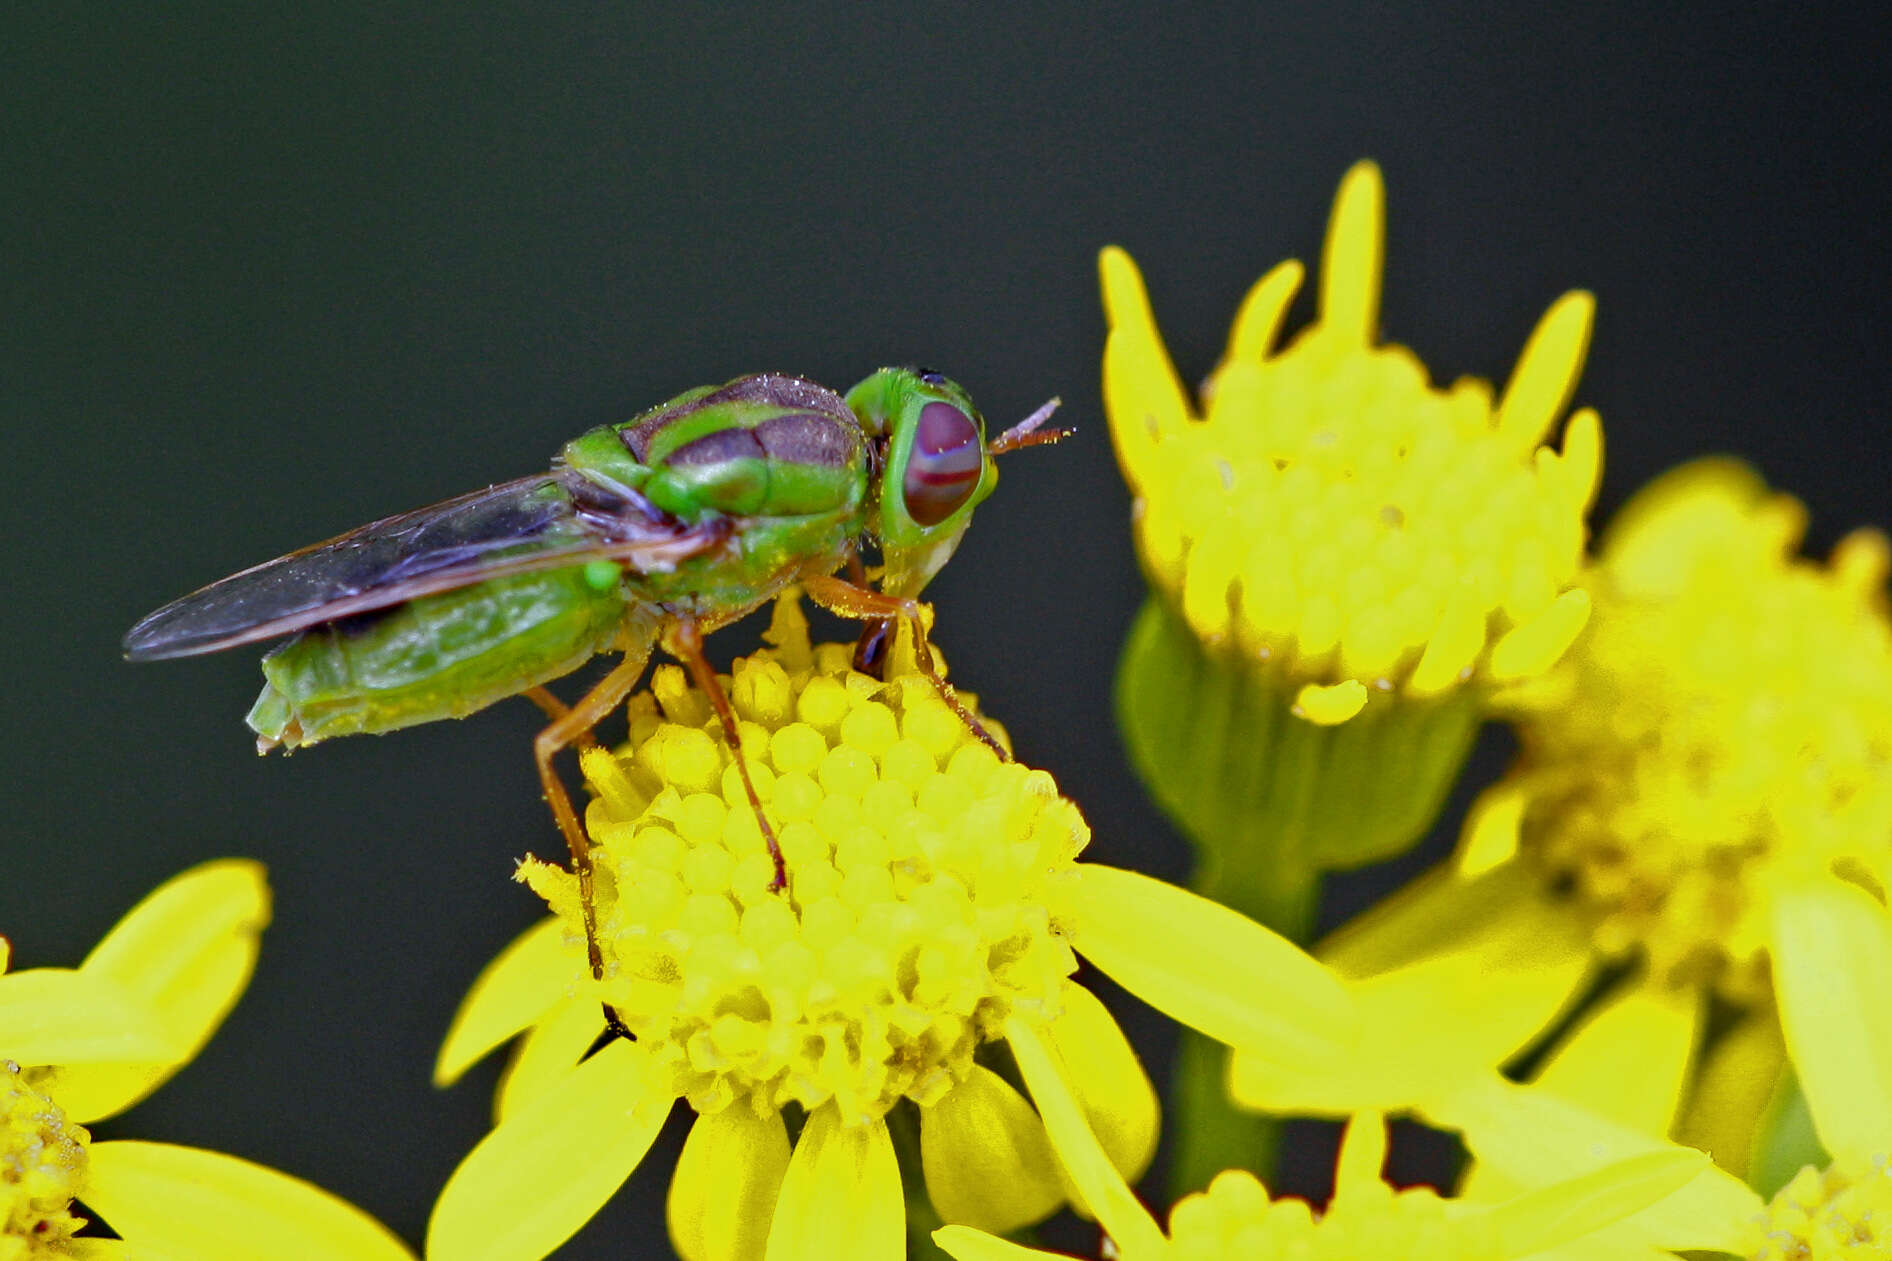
(945, 464)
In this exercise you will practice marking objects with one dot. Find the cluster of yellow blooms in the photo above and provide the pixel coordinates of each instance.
(1350, 569)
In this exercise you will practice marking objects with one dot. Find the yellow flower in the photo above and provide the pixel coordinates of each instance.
(1705, 801)
(1235, 1220)
(1837, 1214)
(1333, 540)
(925, 944)
(79, 1045)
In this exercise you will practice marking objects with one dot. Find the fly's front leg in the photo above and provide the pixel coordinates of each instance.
(848, 600)
(686, 640)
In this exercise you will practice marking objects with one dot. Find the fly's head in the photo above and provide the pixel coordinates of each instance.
(932, 469)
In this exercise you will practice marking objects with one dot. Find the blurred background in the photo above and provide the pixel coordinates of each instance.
(272, 273)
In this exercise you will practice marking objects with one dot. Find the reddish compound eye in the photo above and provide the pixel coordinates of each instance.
(945, 465)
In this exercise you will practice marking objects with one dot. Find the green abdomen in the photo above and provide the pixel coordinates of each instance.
(437, 656)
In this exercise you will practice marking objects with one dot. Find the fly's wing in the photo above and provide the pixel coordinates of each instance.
(535, 523)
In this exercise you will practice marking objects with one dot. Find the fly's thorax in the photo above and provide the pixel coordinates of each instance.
(752, 565)
(932, 470)
(764, 446)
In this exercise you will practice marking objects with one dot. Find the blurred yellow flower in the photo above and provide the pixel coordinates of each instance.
(1235, 1220)
(1333, 540)
(926, 941)
(1345, 563)
(1705, 793)
(79, 1045)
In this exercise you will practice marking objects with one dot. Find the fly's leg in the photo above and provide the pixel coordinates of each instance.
(848, 600)
(686, 641)
(554, 708)
(568, 727)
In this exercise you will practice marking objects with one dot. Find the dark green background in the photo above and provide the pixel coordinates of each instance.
(272, 273)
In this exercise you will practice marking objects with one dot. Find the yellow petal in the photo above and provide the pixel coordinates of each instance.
(189, 947)
(1362, 1155)
(1532, 1138)
(1734, 1092)
(1152, 938)
(1258, 322)
(1428, 914)
(965, 1244)
(1628, 1059)
(723, 1194)
(987, 1159)
(1352, 257)
(1454, 645)
(1144, 397)
(1330, 705)
(1552, 1216)
(1469, 999)
(542, 1173)
(92, 1092)
(1492, 826)
(1583, 457)
(185, 953)
(1536, 645)
(1833, 973)
(513, 991)
(549, 1050)
(1546, 373)
(1109, 1199)
(1118, 1100)
(186, 1202)
(841, 1198)
(63, 1016)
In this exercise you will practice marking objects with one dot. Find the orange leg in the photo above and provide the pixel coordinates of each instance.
(573, 726)
(686, 641)
(554, 708)
(839, 596)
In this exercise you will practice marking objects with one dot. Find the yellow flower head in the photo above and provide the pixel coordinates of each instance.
(927, 934)
(1236, 1220)
(1333, 518)
(916, 919)
(1836, 1214)
(81, 1044)
(1725, 726)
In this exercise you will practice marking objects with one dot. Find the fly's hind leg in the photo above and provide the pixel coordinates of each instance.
(571, 726)
(686, 641)
(848, 600)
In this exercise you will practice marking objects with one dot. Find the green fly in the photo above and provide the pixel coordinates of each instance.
(656, 530)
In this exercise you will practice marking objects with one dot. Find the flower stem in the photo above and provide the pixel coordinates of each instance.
(1212, 1134)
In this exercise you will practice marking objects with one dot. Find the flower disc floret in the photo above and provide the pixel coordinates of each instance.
(1827, 1215)
(43, 1162)
(1725, 722)
(915, 920)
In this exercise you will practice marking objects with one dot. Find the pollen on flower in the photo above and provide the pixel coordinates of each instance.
(915, 920)
(1826, 1215)
(1726, 720)
(1331, 515)
(43, 1162)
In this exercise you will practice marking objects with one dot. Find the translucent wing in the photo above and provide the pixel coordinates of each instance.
(534, 523)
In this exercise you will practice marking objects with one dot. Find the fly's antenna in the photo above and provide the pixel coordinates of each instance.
(1026, 433)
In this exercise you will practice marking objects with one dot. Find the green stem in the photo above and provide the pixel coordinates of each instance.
(1212, 1134)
